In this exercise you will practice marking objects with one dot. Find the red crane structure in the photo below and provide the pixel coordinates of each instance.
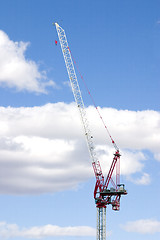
(107, 191)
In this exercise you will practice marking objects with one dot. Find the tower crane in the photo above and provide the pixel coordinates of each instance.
(103, 194)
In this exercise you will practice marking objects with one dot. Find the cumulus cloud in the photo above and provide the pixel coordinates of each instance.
(18, 72)
(43, 148)
(143, 226)
(134, 130)
(8, 231)
(145, 179)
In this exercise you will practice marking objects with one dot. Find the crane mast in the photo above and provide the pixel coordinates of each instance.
(102, 194)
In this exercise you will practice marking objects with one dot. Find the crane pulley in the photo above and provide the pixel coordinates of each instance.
(102, 193)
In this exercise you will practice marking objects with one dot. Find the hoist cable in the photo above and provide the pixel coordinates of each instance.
(113, 142)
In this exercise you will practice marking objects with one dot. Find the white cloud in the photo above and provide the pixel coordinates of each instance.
(18, 72)
(145, 179)
(131, 161)
(143, 226)
(134, 130)
(9, 231)
(43, 148)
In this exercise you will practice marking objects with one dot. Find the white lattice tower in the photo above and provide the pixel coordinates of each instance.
(101, 223)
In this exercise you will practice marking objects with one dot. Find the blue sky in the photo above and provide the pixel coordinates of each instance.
(46, 177)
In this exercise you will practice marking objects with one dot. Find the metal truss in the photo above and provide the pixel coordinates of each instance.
(101, 223)
(78, 97)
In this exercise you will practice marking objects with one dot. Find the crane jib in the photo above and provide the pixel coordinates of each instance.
(77, 94)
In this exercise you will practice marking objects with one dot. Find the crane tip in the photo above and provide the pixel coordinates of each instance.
(54, 23)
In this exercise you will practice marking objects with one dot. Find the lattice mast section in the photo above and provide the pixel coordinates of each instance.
(101, 223)
(78, 99)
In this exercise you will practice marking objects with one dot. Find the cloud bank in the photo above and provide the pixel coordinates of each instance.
(43, 148)
(18, 72)
(8, 231)
(143, 226)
